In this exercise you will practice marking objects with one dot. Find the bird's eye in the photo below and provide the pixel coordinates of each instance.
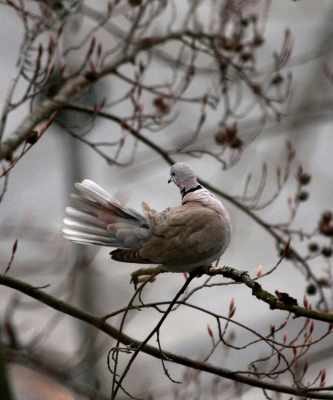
(173, 174)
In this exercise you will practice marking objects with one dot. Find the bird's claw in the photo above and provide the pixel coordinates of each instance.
(145, 274)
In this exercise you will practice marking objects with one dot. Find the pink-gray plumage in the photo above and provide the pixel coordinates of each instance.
(180, 239)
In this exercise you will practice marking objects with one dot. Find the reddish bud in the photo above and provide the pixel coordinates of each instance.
(305, 301)
(326, 228)
(226, 43)
(322, 378)
(236, 143)
(272, 328)
(62, 69)
(302, 177)
(228, 137)
(258, 41)
(99, 50)
(323, 282)
(287, 245)
(232, 308)
(40, 50)
(259, 271)
(303, 196)
(15, 246)
(161, 107)
(210, 332)
(326, 216)
(91, 47)
(47, 124)
(306, 366)
(247, 56)
(32, 137)
(51, 46)
(232, 304)
(313, 247)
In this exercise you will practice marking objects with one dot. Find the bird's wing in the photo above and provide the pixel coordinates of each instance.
(188, 234)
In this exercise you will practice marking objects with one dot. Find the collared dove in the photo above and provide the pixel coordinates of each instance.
(180, 239)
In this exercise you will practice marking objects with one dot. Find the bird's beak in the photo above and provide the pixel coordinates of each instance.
(170, 180)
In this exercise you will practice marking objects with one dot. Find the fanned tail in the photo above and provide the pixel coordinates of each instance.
(103, 220)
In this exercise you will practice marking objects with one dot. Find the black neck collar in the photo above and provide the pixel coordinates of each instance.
(184, 193)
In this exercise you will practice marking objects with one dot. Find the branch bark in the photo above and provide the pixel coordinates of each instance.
(273, 301)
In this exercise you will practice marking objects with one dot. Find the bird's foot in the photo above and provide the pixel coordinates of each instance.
(145, 274)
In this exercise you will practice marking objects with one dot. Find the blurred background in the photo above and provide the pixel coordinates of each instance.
(242, 92)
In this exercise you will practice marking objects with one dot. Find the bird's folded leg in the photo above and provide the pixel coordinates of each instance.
(142, 274)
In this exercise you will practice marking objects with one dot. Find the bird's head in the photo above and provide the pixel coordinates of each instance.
(183, 176)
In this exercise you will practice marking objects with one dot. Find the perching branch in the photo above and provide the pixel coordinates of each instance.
(110, 330)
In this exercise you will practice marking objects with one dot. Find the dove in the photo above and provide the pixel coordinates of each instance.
(180, 239)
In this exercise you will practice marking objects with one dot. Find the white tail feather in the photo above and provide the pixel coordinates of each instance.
(77, 225)
(89, 238)
(103, 220)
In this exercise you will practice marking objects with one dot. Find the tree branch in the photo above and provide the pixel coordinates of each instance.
(273, 301)
(100, 324)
